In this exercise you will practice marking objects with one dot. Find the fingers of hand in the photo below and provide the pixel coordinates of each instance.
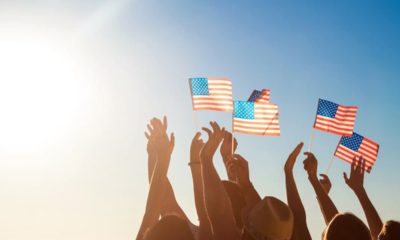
(346, 179)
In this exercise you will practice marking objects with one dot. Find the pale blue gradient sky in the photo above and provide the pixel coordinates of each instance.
(137, 55)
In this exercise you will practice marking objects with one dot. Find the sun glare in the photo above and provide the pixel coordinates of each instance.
(40, 93)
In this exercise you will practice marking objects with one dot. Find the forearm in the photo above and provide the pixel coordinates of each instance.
(294, 201)
(374, 221)
(328, 208)
(155, 195)
(231, 177)
(151, 163)
(217, 203)
(170, 205)
(250, 194)
(204, 223)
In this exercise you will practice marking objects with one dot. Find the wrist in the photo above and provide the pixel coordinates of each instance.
(313, 178)
(359, 191)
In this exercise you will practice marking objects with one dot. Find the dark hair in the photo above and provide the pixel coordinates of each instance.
(237, 200)
(346, 226)
(390, 231)
(170, 227)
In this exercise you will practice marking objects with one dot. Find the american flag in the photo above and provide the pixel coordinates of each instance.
(335, 118)
(211, 94)
(256, 118)
(260, 96)
(356, 146)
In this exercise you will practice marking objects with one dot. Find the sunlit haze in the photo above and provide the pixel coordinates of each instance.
(79, 80)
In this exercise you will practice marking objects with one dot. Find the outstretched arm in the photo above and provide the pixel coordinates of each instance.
(169, 204)
(328, 208)
(217, 203)
(356, 183)
(195, 167)
(163, 146)
(300, 230)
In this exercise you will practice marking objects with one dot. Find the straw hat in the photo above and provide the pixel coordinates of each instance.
(269, 219)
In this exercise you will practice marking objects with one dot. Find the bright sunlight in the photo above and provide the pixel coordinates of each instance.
(40, 92)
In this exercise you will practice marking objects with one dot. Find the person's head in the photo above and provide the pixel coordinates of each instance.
(270, 219)
(390, 231)
(237, 199)
(169, 227)
(346, 226)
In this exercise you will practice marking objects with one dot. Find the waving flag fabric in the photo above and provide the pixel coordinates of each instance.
(335, 118)
(356, 146)
(256, 118)
(211, 94)
(260, 96)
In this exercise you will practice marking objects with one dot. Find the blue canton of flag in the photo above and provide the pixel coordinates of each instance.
(327, 108)
(353, 142)
(200, 86)
(244, 109)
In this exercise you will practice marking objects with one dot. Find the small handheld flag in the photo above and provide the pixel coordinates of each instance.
(256, 118)
(334, 118)
(356, 146)
(262, 96)
(211, 94)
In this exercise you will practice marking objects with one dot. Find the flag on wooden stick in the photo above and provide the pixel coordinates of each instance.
(256, 118)
(211, 94)
(334, 118)
(357, 146)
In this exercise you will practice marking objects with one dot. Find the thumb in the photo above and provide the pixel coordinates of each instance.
(172, 140)
(346, 179)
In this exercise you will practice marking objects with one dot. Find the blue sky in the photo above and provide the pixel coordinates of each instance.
(137, 57)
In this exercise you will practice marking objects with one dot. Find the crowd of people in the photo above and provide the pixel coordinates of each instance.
(233, 209)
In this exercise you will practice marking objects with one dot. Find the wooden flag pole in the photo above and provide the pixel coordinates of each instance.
(195, 121)
(311, 140)
(233, 135)
(333, 158)
(330, 165)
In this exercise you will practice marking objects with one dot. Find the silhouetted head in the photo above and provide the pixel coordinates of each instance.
(390, 231)
(237, 199)
(346, 226)
(170, 227)
(269, 219)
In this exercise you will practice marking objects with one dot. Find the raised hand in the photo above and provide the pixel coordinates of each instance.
(356, 183)
(325, 183)
(356, 179)
(163, 144)
(239, 167)
(226, 153)
(311, 165)
(292, 158)
(195, 147)
(214, 139)
(226, 146)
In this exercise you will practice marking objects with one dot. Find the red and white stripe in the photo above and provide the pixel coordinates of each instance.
(219, 98)
(368, 150)
(266, 121)
(342, 124)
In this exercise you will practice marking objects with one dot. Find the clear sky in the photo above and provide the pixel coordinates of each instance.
(80, 79)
